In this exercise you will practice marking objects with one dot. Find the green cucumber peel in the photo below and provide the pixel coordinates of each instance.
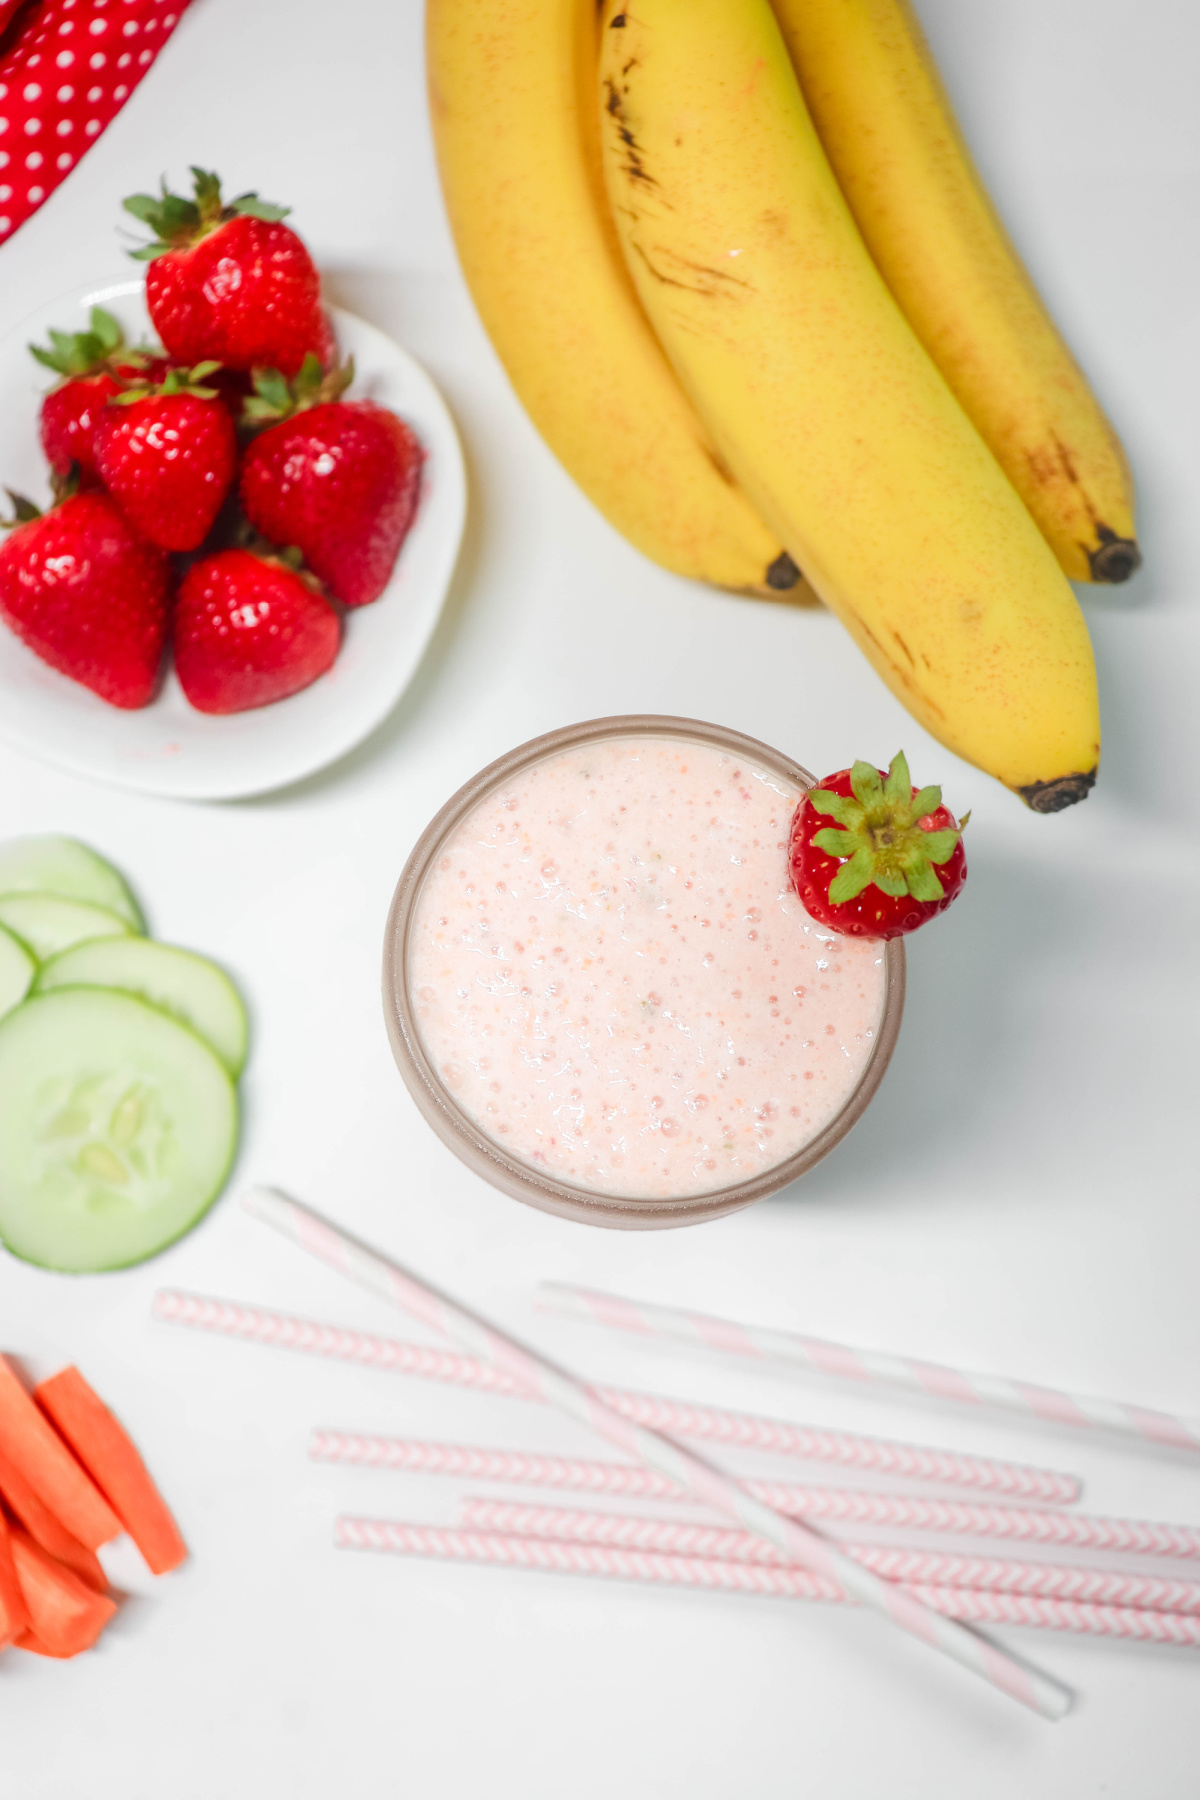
(48, 863)
(183, 984)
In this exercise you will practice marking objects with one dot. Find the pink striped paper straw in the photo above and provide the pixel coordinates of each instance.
(701, 1478)
(1101, 1587)
(680, 1417)
(839, 1506)
(398, 1538)
(908, 1372)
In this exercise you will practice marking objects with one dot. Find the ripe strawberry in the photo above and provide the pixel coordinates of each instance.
(338, 478)
(249, 630)
(94, 365)
(876, 876)
(169, 455)
(88, 595)
(229, 282)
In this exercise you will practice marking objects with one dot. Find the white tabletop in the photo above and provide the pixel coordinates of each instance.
(1021, 1196)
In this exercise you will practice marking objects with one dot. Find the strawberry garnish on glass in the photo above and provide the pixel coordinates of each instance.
(93, 365)
(228, 281)
(337, 478)
(892, 859)
(168, 453)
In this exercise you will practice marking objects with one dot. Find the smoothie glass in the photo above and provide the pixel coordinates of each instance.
(468, 1139)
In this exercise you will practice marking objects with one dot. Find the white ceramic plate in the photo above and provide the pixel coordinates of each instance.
(167, 747)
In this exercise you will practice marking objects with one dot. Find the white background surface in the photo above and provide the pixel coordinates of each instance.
(1021, 1196)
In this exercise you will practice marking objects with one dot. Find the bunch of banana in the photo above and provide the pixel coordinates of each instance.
(804, 415)
(512, 90)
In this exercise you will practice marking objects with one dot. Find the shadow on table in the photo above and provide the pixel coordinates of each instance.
(978, 980)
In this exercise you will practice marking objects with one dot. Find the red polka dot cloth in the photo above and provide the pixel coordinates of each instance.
(66, 69)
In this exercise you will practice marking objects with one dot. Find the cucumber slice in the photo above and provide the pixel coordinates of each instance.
(46, 923)
(17, 970)
(117, 1129)
(188, 986)
(64, 866)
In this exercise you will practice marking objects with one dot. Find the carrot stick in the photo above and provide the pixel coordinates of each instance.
(110, 1458)
(66, 1616)
(29, 1640)
(33, 1447)
(45, 1529)
(14, 1614)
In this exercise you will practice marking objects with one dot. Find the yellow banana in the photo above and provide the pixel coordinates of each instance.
(520, 166)
(822, 401)
(886, 123)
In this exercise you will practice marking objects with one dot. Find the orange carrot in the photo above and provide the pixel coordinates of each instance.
(45, 1529)
(65, 1615)
(33, 1447)
(29, 1640)
(14, 1614)
(108, 1454)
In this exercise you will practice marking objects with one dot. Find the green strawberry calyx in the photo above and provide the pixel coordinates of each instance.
(246, 536)
(882, 839)
(275, 398)
(73, 354)
(62, 487)
(24, 511)
(175, 381)
(177, 223)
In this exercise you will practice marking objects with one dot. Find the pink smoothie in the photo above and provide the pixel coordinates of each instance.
(616, 982)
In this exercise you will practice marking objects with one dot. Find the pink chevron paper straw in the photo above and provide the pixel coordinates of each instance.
(878, 1366)
(1100, 1587)
(414, 1457)
(839, 1506)
(681, 1417)
(703, 1479)
(395, 1537)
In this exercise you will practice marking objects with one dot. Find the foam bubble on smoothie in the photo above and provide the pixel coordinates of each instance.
(617, 983)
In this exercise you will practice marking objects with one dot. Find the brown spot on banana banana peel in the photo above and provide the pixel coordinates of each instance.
(1068, 467)
(854, 623)
(1053, 796)
(634, 166)
(665, 280)
(720, 279)
(710, 283)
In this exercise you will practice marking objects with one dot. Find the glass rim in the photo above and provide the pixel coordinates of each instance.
(473, 1146)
